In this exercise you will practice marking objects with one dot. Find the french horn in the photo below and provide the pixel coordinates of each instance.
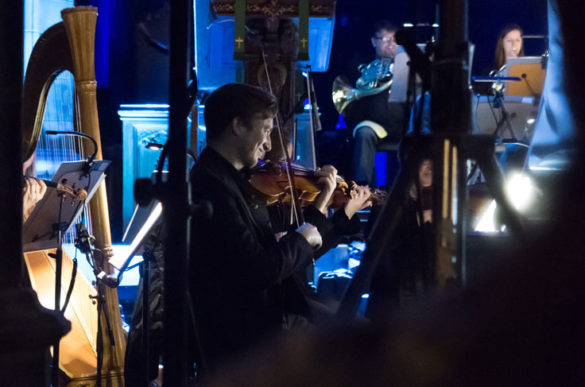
(375, 78)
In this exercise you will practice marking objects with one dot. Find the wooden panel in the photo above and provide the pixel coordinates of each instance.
(78, 348)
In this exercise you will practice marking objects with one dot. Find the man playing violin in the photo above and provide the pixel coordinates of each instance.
(241, 276)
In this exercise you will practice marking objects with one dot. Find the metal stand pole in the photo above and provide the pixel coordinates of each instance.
(378, 239)
(146, 314)
(175, 202)
(58, 271)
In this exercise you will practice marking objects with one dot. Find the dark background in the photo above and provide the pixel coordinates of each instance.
(130, 69)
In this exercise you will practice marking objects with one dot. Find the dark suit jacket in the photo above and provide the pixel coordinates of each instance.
(238, 271)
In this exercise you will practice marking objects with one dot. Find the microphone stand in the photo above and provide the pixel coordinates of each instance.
(498, 103)
(60, 228)
(86, 248)
(84, 244)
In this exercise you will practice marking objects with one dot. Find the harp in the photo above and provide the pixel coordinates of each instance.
(69, 46)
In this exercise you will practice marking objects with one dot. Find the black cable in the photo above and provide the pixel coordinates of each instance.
(74, 270)
(71, 285)
(152, 42)
(133, 266)
(99, 341)
(201, 356)
(160, 164)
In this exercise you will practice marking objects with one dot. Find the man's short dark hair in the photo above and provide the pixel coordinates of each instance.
(382, 25)
(236, 100)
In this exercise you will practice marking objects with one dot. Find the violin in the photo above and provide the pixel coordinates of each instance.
(271, 182)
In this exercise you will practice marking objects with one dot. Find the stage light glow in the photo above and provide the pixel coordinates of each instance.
(487, 222)
(521, 193)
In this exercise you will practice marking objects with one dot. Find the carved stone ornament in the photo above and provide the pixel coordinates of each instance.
(278, 8)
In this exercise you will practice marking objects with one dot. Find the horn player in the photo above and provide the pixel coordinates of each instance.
(372, 119)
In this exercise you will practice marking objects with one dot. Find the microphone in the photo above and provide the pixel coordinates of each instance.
(314, 108)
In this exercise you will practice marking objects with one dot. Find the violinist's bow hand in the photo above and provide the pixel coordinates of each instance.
(311, 234)
(327, 181)
(359, 198)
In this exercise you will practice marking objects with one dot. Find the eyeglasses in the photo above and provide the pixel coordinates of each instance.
(385, 39)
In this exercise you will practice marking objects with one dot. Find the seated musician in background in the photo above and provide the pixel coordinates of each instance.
(403, 274)
(373, 119)
(241, 276)
(510, 45)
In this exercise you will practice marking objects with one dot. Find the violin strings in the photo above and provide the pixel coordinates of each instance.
(280, 137)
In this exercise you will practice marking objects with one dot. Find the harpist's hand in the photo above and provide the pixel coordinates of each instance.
(34, 190)
(311, 234)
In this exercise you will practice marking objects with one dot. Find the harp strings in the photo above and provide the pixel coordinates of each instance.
(61, 114)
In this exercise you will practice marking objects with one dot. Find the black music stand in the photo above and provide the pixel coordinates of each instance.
(40, 232)
(498, 103)
(54, 215)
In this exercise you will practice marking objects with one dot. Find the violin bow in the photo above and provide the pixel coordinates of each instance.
(296, 213)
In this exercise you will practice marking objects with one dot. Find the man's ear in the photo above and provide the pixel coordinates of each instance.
(373, 40)
(237, 127)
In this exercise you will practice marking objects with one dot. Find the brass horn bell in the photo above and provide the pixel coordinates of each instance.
(376, 77)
